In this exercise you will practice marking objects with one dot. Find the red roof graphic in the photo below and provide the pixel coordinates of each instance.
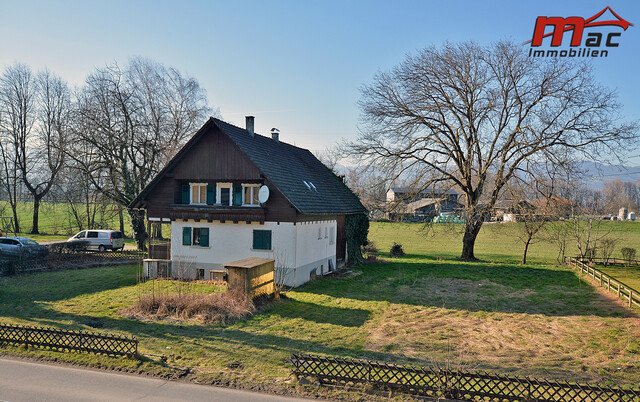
(591, 22)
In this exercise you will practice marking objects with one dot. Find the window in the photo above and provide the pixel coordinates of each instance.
(225, 193)
(195, 237)
(250, 194)
(262, 240)
(325, 232)
(198, 193)
(92, 235)
(332, 236)
(199, 274)
(319, 233)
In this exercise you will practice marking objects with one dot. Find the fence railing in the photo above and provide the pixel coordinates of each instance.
(60, 339)
(614, 260)
(68, 260)
(454, 384)
(623, 291)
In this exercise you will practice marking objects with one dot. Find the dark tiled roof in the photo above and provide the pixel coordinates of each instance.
(288, 167)
(424, 192)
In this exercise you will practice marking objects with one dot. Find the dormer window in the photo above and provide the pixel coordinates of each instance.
(198, 193)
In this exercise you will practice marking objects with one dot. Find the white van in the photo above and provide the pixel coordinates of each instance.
(100, 240)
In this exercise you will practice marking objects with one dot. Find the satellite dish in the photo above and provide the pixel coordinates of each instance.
(263, 194)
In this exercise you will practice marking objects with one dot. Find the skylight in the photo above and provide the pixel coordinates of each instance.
(310, 186)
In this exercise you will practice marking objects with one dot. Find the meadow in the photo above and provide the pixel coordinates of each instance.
(426, 308)
(56, 220)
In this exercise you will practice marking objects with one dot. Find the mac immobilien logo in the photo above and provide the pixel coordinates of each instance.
(603, 35)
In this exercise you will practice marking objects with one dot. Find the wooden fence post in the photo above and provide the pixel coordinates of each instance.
(630, 296)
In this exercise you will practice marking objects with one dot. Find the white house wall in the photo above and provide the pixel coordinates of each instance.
(295, 247)
(314, 249)
(227, 242)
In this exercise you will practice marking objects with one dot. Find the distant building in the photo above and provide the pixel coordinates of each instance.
(622, 214)
(407, 204)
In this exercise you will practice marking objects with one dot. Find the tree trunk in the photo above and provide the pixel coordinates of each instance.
(471, 231)
(16, 224)
(121, 216)
(524, 253)
(138, 228)
(36, 213)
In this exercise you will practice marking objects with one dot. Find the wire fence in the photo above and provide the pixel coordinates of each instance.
(454, 384)
(66, 340)
(58, 261)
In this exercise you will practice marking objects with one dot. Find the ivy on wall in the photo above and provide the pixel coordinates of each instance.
(357, 229)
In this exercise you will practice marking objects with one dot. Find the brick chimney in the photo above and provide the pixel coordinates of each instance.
(250, 120)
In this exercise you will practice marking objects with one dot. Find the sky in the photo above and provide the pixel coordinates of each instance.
(295, 65)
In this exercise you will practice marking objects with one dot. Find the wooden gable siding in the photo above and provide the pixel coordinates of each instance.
(215, 158)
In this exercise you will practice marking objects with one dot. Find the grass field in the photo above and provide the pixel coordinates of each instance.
(537, 320)
(627, 275)
(56, 221)
(496, 241)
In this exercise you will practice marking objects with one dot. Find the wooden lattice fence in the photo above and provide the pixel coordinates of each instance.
(454, 384)
(60, 339)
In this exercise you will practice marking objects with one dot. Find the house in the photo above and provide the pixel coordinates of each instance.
(231, 193)
(512, 210)
(410, 205)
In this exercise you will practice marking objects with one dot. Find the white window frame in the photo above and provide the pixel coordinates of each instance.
(254, 191)
(191, 186)
(219, 187)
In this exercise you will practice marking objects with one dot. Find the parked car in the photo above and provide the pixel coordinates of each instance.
(17, 247)
(100, 240)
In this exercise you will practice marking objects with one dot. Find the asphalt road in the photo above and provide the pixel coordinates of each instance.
(29, 381)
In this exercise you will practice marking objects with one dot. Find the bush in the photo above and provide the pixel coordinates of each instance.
(370, 247)
(629, 254)
(223, 307)
(396, 250)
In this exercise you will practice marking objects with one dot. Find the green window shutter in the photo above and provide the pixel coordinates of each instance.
(204, 237)
(185, 193)
(262, 240)
(211, 195)
(186, 236)
(256, 240)
(237, 194)
(267, 240)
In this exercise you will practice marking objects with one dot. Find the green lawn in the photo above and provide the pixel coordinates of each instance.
(496, 241)
(627, 275)
(56, 220)
(536, 320)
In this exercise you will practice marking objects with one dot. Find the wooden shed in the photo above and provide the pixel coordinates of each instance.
(253, 276)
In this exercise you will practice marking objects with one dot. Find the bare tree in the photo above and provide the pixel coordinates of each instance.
(35, 111)
(17, 108)
(463, 113)
(131, 121)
